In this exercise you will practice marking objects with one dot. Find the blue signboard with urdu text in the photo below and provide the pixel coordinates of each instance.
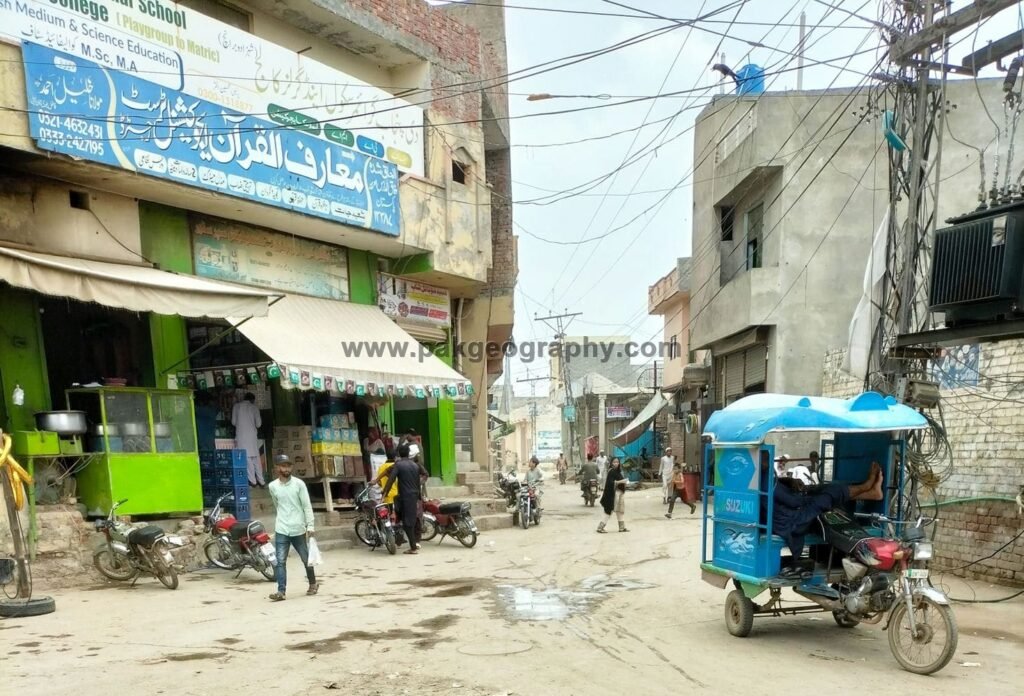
(80, 108)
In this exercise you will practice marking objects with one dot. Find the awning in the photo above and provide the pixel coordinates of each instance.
(124, 286)
(311, 338)
(643, 419)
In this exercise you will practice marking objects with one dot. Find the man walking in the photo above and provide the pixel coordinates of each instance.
(246, 419)
(407, 475)
(293, 526)
(602, 466)
(667, 462)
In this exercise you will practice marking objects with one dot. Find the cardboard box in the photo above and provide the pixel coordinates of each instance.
(302, 466)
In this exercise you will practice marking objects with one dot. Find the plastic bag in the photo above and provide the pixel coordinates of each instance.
(314, 558)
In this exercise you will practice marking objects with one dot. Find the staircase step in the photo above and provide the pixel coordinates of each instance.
(473, 477)
(481, 489)
(336, 544)
(467, 467)
(501, 520)
(447, 492)
(462, 456)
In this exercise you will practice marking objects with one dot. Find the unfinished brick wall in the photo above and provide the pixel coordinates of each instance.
(501, 278)
(985, 426)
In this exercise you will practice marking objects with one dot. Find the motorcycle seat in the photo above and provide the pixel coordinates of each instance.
(241, 529)
(146, 536)
(449, 508)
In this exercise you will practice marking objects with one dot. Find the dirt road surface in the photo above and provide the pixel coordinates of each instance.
(557, 609)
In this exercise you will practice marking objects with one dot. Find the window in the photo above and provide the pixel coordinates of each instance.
(673, 348)
(755, 230)
(726, 215)
(459, 171)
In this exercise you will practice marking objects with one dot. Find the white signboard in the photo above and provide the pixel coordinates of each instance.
(408, 300)
(185, 50)
(549, 445)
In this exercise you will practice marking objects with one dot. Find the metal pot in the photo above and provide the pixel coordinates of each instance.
(109, 430)
(62, 422)
(162, 429)
(134, 429)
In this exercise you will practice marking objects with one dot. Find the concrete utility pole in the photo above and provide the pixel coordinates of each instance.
(533, 409)
(800, 52)
(562, 322)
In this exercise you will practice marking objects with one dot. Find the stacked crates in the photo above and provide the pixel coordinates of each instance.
(225, 471)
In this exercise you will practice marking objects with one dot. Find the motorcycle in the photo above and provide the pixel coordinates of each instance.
(131, 550)
(590, 492)
(888, 574)
(528, 507)
(450, 519)
(237, 544)
(507, 486)
(373, 523)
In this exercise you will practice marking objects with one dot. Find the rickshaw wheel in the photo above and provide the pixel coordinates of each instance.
(844, 620)
(739, 614)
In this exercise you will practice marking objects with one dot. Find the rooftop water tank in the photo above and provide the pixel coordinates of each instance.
(750, 79)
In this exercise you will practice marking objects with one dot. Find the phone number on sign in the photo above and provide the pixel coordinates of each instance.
(67, 141)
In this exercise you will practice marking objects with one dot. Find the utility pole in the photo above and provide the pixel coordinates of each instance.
(561, 323)
(800, 52)
(533, 409)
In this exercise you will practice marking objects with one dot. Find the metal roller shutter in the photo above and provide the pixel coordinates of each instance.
(734, 365)
(756, 365)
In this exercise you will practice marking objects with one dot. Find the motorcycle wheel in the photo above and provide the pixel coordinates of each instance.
(536, 515)
(366, 533)
(912, 652)
(466, 537)
(218, 553)
(429, 530)
(524, 516)
(166, 574)
(113, 565)
(389, 542)
(844, 620)
(266, 568)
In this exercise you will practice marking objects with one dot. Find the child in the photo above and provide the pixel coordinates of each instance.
(678, 491)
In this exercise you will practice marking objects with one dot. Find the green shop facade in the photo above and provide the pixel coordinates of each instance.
(72, 349)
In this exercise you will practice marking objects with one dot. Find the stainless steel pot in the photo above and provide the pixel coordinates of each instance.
(134, 429)
(162, 429)
(109, 430)
(62, 422)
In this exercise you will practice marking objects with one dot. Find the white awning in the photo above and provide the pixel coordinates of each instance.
(643, 419)
(124, 286)
(345, 341)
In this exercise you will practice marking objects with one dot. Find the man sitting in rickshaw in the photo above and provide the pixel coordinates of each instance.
(797, 506)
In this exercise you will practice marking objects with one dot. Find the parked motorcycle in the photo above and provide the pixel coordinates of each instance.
(373, 523)
(237, 544)
(132, 550)
(528, 508)
(450, 519)
(590, 492)
(888, 574)
(507, 486)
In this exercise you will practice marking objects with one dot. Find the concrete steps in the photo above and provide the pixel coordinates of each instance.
(467, 467)
(468, 477)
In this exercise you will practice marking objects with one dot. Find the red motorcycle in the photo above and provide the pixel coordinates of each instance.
(450, 519)
(237, 544)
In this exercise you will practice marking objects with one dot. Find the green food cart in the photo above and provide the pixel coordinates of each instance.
(147, 438)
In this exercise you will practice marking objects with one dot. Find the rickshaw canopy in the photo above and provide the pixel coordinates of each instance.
(750, 419)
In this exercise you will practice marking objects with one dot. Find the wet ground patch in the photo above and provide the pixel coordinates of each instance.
(520, 603)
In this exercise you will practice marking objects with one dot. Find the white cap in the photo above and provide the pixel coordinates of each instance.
(782, 458)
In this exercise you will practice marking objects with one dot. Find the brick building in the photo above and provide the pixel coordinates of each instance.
(982, 411)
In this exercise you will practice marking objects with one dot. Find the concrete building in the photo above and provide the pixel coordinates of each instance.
(412, 216)
(782, 229)
(583, 355)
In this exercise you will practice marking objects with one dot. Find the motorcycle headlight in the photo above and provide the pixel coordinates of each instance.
(923, 551)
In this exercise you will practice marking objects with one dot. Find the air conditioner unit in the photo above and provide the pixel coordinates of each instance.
(696, 374)
(978, 267)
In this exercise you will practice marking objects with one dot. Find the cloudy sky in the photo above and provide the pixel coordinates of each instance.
(639, 215)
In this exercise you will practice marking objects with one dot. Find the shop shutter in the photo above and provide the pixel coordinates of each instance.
(733, 376)
(755, 365)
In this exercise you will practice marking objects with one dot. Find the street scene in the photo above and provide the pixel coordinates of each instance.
(555, 609)
(498, 348)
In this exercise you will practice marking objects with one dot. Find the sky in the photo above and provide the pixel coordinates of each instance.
(642, 213)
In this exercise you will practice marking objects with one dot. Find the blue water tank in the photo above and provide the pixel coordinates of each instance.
(751, 79)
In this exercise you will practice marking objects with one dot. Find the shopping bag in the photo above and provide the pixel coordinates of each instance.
(314, 558)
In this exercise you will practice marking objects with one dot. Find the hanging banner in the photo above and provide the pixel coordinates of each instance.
(409, 300)
(183, 50)
(618, 413)
(80, 109)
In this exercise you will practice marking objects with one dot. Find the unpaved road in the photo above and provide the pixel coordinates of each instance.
(623, 614)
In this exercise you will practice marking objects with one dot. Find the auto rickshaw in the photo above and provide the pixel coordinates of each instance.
(851, 543)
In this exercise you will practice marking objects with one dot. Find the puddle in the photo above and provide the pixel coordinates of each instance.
(30, 644)
(557, 604)
(189, 657)
(454, 591)
(326, 646)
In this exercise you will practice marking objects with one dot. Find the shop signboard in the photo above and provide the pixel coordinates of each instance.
(408, 300)
(183, 50)
(549, 445)
(224, 251)
(88, 112)
(618, 412)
